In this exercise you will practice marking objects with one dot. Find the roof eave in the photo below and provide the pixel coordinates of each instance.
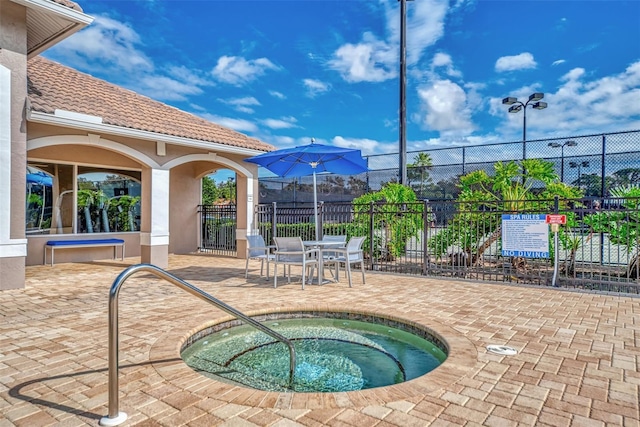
(76, 21)
(49, 119)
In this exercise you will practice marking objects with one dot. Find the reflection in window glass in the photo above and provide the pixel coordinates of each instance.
(39, 201)
(106, 200)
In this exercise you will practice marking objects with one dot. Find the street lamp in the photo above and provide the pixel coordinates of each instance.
(516, 106)
(556, 145)
(583, 164)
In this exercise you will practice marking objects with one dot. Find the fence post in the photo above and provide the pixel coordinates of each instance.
(273, 222)
(464, 161)
(426, 226)
(603, 170)
(371, 236)
(201, 227)
(321, 220)
(603, 191)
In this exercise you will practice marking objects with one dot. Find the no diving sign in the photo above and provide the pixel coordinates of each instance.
(556, 219)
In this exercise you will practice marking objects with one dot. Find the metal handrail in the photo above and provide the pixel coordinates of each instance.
(116, 417)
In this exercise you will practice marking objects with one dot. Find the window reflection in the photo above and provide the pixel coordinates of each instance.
(39, 201)
(82, 199)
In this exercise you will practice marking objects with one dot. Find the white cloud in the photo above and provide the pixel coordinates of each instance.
(242, 104)
(315, 87)
(282, 123)
(609, 100)
(443, 60)
(522, 61)
(367, 146)
(372, 60)
(277, 94)
(425, 24)
(113, 49)
(236, 124)
(165, 88)
(280, 141)
(106, 42)
(587, 106)
(558, 62)
(237, 71)
(375, 58)
(445, 107)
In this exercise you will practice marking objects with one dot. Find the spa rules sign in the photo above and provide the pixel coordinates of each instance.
(525, 235)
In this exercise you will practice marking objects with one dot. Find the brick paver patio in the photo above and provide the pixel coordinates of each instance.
(578, 358)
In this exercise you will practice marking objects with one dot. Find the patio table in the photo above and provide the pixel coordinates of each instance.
(322, 245)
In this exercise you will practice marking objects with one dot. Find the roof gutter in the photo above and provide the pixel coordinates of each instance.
(49, 119)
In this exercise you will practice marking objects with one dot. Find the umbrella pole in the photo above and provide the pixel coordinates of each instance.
(315, 203)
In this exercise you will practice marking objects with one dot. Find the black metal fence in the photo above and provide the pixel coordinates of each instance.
(597, 248)
(596, 163)
(218, 229)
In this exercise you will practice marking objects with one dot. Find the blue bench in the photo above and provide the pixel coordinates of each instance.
(52, 245)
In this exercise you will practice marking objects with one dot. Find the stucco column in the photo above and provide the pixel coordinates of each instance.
(154, 233)
(247, 188)
(13, 152)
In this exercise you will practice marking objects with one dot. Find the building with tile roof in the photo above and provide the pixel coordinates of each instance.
(99, 161)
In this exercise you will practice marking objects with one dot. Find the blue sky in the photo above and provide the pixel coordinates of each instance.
(287, 71)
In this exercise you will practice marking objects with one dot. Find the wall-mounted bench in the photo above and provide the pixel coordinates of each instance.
(52, 245)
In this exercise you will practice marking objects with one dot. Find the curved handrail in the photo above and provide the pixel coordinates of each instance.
(116, 417)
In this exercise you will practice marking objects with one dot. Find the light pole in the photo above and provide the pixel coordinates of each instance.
(556, 145)
(583, 164)
(402, 137)
(516, 106)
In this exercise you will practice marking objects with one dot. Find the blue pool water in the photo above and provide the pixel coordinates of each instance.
(332, 355)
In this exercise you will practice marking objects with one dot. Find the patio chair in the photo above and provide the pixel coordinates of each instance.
(291, 251)
(327, 252)
(352, 254)
(258, 250)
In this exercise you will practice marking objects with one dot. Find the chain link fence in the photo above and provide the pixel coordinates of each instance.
(583, 163)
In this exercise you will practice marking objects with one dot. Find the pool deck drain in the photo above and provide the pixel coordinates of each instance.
(577, 363)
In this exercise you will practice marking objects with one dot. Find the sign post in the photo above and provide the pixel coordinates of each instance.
(555, 221)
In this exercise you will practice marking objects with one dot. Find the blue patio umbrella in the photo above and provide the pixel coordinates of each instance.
(39, 178)
(310, 160)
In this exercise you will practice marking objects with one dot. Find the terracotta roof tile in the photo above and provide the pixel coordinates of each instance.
(53, 86)
(68, 3)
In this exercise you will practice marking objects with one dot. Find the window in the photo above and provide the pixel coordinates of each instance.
(74, 199)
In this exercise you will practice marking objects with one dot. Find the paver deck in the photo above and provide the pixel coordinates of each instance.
(578, 358)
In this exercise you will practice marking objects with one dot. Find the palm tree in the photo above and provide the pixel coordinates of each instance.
(420, 167)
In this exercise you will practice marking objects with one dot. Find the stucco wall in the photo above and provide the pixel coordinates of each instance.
(184, 198)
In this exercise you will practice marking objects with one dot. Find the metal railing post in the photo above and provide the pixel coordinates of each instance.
(115, 417)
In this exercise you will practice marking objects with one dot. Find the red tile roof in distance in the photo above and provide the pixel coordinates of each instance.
(54, 86)
(69, 4)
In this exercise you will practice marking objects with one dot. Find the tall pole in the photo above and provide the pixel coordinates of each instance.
(524, 133)
(402, 174)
